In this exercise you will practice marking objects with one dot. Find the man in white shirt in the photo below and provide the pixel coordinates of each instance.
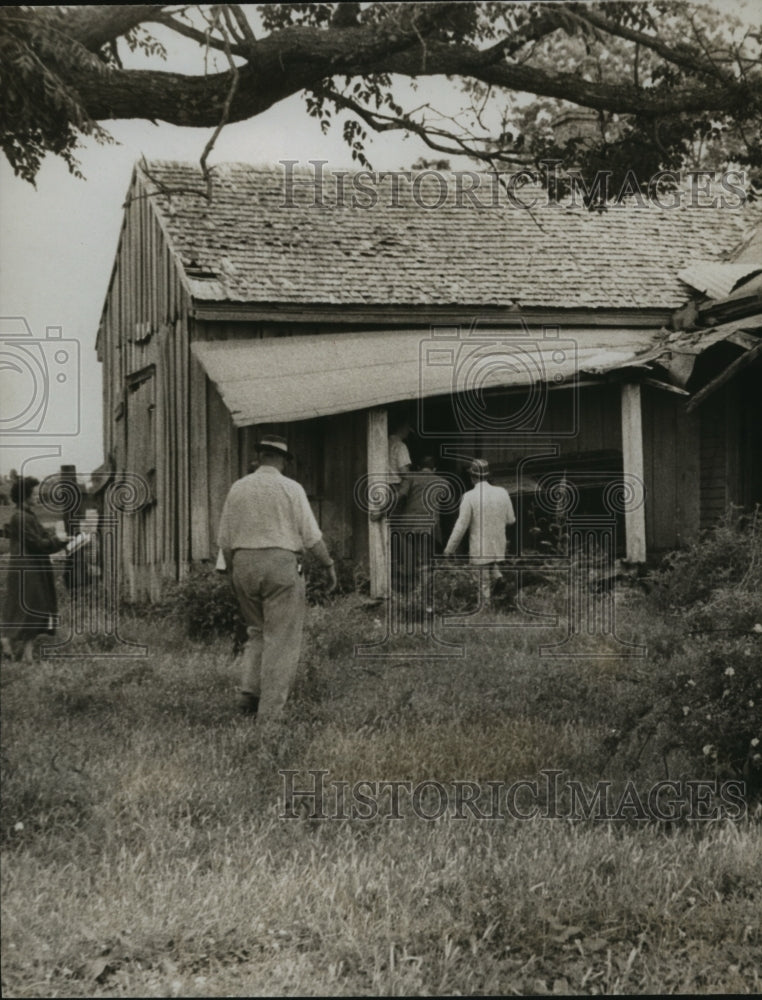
(485, 512)
(399, 458)
(266, 523)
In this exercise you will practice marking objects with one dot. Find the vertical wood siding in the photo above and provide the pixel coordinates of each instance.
(714, 488)
(144, 327)
(671, 467)
(223, 469)
(731, 446)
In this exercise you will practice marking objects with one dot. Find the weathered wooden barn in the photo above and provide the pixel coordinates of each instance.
(552, 341)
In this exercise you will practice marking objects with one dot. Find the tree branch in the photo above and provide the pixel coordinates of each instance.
(94, 26)
(533, 31)
(621, 98)
(226, 107)
(409, 40)
(246, 33)
(431, 135)
(682, 55)
(203, 38)
(299, 58)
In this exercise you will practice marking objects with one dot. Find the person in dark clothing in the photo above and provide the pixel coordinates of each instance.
(423, 535)
(427, 491)
(30, 603)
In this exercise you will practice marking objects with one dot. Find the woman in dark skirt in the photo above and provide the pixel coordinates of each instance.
(30, 603)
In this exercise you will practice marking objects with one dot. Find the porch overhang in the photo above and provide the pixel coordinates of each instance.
(282, 379)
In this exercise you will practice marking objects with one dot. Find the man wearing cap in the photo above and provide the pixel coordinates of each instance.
(485, 512)
(266, 523)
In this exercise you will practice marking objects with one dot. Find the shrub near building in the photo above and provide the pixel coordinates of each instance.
(709, 690)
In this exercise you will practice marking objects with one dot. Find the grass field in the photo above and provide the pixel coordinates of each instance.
(144, 849)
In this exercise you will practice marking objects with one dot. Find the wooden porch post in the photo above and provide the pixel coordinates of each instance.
(378, 532)
(632, 462)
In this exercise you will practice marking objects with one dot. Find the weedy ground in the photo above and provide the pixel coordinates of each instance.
(145, 850)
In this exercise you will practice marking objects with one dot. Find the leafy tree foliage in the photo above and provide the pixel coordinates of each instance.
(670, 83)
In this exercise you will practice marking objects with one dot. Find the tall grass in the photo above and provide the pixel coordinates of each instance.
(144, 850)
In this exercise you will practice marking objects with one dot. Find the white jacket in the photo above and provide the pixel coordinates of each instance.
(484, 513)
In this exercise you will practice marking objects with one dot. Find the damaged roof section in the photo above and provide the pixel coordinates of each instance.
(716, 279)
(726, 335)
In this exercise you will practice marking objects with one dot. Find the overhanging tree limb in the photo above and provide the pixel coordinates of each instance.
(285, 66)
(94, 26)
(505, 48)
(678, 55)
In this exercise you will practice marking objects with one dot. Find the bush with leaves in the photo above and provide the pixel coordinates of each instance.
(203, 604)
(205, 607)
(726, 557)
(714, 706)
(706, 689)
(349, 575)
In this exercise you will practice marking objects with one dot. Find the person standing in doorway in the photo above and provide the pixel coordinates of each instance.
(398, 480)
(485, 512)
(266, 524)
(399, 462)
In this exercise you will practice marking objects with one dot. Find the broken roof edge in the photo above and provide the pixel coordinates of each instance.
(682, 349)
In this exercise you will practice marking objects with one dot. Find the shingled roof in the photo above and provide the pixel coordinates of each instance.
(263, 239)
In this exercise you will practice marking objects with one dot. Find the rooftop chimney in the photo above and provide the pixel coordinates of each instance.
(579, 123)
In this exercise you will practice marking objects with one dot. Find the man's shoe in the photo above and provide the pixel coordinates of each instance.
(248, 704)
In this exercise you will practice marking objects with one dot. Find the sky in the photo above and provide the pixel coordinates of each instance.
(57, 247)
